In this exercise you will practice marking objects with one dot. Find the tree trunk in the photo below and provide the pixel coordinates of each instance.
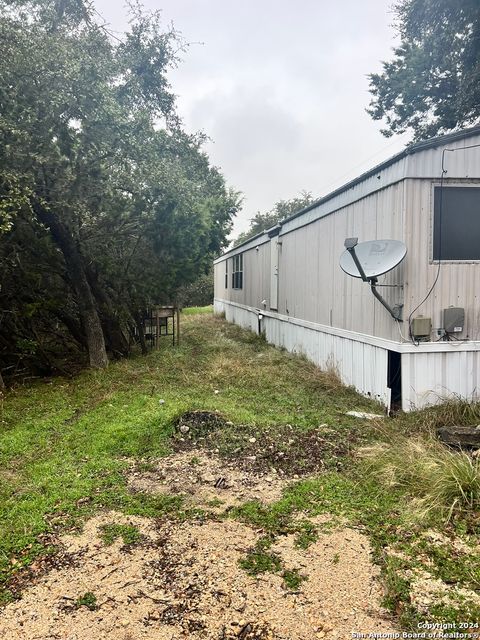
(84, 298)
(115, 338)
(2, 384)
(74, 327)
(141, 332)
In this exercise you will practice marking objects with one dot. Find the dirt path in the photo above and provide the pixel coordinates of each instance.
(183, 579)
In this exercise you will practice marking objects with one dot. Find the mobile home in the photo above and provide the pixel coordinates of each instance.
(287, 282)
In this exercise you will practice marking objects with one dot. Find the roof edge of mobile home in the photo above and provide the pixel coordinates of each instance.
(409, 150)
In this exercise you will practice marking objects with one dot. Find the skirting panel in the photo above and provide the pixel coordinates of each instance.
(427, 377)
(360, 365)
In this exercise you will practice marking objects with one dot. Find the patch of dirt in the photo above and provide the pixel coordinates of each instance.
(186, 582)
(205, 480)
(285, 449)
(426, 591)
(454, 543)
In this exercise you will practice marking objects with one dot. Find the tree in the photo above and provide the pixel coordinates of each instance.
(106, 204)
(281, 210)
(432, 85)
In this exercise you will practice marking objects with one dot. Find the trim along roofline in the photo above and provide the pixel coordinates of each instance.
(409, 150)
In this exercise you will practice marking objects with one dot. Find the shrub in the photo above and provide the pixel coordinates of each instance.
(441, 481)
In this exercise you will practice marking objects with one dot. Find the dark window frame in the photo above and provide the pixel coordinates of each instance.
(460, 223)
(226, 273)
(237, 271)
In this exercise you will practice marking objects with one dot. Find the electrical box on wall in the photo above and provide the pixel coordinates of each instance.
(453, 319)
(421, 327)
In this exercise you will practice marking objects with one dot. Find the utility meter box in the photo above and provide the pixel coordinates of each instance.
(421, 327)
(453, 319)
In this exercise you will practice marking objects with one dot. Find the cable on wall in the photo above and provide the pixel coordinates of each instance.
(440, 210)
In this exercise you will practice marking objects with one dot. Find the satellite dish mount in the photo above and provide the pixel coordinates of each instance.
(388, 254)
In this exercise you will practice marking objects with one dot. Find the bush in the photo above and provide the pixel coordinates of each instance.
(198, 293)
(440, 480)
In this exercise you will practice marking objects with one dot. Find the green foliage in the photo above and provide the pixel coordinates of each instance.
(432, 84)
(452, 566)
(199, 293)
(107, 205)
(192, 311)
(441, 481)
(307, 534)
(128, 532)
(88, 600)
(258, 562)
(281, 210)
(292, 579)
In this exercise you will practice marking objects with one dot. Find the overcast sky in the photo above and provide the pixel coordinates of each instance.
(280, 88)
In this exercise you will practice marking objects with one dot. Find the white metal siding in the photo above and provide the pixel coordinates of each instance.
(313, 287)
(428, 378)
(358, 364)
(256, 278)
(274, 253)
(458, 284)
(395, 203)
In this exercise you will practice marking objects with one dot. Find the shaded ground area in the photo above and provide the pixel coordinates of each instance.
(283, 449)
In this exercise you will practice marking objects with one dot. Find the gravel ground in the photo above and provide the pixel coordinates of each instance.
(184, 580)
(207, 481)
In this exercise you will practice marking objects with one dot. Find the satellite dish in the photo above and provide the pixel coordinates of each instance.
(371, 259)
(376, 257)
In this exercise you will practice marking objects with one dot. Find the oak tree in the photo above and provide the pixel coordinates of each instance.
(432, 84)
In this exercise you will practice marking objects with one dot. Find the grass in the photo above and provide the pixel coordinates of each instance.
(88, 600)
(64, 442)
(441, 481)
(192, 311)
(261, 560)
(128, 532)
(292, 579)
(65, 445)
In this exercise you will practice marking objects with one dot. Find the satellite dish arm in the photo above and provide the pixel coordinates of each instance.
(396, 312)
(350, 244)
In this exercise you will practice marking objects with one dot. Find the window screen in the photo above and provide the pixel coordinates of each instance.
(456, 223)
(226, 273)
(237, 272)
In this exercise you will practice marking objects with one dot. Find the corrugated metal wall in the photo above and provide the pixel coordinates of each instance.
(451, 371)
(313, 287)
(398, 204)
(256, 277)
(311, 284)
(459, 282)
(428, 378)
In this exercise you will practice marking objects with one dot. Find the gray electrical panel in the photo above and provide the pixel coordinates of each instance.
(453, 319)
(421, 327)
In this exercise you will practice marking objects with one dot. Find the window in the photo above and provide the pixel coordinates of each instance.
(456, 223)
(226, 273)
(237, 273)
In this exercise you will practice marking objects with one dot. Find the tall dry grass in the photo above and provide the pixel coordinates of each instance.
(440, 481)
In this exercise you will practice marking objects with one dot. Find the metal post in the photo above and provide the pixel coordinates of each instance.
(178, 325)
